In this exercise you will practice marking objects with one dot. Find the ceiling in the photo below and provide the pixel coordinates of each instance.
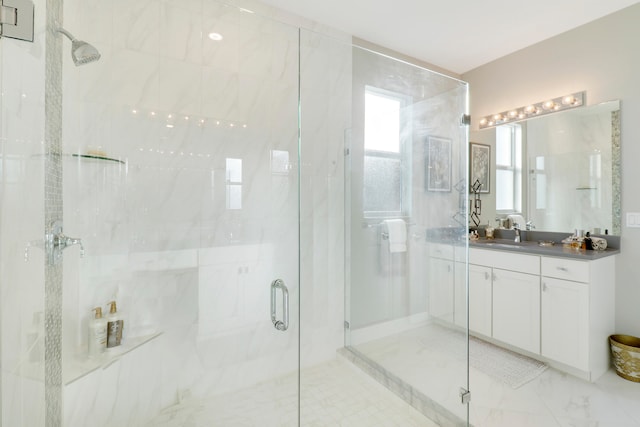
(457, 35)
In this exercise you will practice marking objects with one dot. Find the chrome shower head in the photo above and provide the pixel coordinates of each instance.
(81, 52)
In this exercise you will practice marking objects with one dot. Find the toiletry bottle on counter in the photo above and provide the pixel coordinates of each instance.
(97, 333)
(114, 326)
(488, 231)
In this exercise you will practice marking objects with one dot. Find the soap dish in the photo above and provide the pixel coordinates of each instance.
(546, 243)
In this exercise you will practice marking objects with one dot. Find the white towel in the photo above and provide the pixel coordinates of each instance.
(397, 230)
(517, 219)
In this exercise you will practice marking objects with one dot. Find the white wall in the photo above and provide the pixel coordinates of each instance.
(602, 58)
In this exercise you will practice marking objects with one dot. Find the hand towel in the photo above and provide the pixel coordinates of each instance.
(397, 230)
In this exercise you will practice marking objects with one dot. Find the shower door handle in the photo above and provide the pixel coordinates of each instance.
(281, 325)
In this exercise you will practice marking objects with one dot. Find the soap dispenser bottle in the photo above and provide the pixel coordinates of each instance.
(115, 325)
(488, 231)
(97, 333)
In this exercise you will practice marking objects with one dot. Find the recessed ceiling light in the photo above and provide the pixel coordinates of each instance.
(215, 36)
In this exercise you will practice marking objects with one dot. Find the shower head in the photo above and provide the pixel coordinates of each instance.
(81, 52)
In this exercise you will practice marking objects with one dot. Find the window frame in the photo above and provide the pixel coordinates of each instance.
(403, 155)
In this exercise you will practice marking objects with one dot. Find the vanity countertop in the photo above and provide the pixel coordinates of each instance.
(533, 247)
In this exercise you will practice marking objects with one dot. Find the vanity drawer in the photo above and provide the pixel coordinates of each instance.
(529, 264)
(567, 269)
(440, 250)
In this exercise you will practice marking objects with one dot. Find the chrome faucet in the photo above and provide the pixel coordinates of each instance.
(517, 230)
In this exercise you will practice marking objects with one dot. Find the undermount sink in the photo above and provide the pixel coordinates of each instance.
(504, 243)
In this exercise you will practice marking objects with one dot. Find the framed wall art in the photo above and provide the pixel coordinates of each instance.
(479, 166)
(438, 164)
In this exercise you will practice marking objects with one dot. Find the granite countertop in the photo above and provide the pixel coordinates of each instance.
(533, 247)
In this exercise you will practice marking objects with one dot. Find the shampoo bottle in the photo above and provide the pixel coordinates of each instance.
(114, 326)
(97, 333)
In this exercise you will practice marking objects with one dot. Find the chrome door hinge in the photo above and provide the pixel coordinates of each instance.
(465, 396)
(465, 120)
(346, 325)
(16, 19)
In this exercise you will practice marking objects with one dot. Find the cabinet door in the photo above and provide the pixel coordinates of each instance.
(441, 289)
(565, 321)
(480, 299)
(516, 309)
(460, 295)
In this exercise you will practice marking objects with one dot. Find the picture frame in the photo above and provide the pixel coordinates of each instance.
(438, 164)
(479, 166)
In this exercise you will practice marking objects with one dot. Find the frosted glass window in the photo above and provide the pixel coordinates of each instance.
(386, 183)
(382, 180)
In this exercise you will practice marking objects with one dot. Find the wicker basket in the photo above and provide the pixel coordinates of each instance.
(625, 352)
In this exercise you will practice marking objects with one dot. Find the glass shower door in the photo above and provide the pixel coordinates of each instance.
(407, 216)
(181, 178)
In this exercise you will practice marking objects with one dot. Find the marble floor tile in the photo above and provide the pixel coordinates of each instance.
(335, 393)
(421, 358)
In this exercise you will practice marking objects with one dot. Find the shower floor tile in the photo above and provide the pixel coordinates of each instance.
(335, 393)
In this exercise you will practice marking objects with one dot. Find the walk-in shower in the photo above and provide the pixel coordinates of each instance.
(198, 173)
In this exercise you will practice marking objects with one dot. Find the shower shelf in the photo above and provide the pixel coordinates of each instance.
(81, 365)
(98, 157)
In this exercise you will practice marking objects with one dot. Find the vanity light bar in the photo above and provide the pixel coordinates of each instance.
(533, 110)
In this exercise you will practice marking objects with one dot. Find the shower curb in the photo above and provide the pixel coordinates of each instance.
(415, 398)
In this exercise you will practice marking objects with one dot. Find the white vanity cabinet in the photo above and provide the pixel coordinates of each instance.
(577, 312)
(558, 309)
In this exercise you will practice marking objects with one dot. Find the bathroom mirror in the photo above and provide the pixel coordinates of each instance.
(570, 170)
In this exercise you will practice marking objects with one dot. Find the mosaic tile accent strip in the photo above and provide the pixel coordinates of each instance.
(617, 172)
(53, 211)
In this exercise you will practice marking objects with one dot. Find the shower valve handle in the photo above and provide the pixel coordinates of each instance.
(56, 242)
(70, 241)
